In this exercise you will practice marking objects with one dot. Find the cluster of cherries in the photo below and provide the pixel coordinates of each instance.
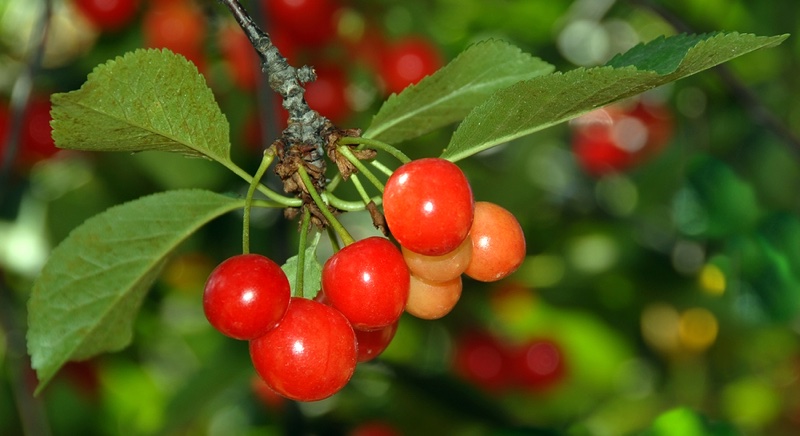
(307, 349)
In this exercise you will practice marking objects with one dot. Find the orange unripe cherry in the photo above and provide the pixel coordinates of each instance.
(498, 243)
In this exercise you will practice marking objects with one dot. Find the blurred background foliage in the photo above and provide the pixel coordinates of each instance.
(664, 291)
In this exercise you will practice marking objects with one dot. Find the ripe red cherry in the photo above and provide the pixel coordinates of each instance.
(108, 15)
(618, 137)
(498, 243)
(482, 359)
(538, 364)
(408, 61)
(36, 140)
(239, 56)
(246, 296)
(326, 95)
(371, 343)
(178, 26)
(310, 22)
(368, 282)
(428, 206)
(310, 355)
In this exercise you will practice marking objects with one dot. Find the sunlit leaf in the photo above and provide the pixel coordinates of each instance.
(449, 94)
(533, 105)
(144, 100)
(86, 298)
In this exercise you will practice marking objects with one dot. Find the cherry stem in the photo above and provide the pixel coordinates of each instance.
(323, 207)
(301, 253)
(360, 188)
(381, 167)
(349, 205)
(266, 160)
(345, 151)
(334, 240)
(375, 144)
(281, 200)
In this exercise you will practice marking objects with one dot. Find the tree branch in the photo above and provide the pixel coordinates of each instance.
(306, 126)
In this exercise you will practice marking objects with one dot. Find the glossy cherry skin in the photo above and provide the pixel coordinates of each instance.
(368, 282)
(371, 343)
(246, 296)
(538, 364)
(428, 206)
(408, 61)
(108, 14)
(498, 243)
(432, 300)
(439, 268)
(310, 355)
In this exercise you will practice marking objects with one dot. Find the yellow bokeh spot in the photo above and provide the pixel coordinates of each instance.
(712, 280)
(659, 324)
(697, 329)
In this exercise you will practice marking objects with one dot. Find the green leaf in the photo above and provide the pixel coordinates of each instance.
(312, 270)
(533, 105)
(450, 93)
(86, 298)
(144, 100)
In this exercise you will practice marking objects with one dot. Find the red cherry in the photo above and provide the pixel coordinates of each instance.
(246, 296)
(498, 243)
(371, 343)
(310, 355)
(538, 364)
(368, 282)
(428, 206)
(108, 15)
(178, 26)
(482, 359)
(618, 137)
(269, 398)
(326, 95)
(408, 61)
(311, 23)
(239, 56)
(36, 140)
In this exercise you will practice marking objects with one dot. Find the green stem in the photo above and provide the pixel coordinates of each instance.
(381, 167)
(266, 160)
(301, 253)
(360, 188)
(345, 151)
(272, 195)
(375, 144)
(348, 205)
(337, 226)
(334, 240)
